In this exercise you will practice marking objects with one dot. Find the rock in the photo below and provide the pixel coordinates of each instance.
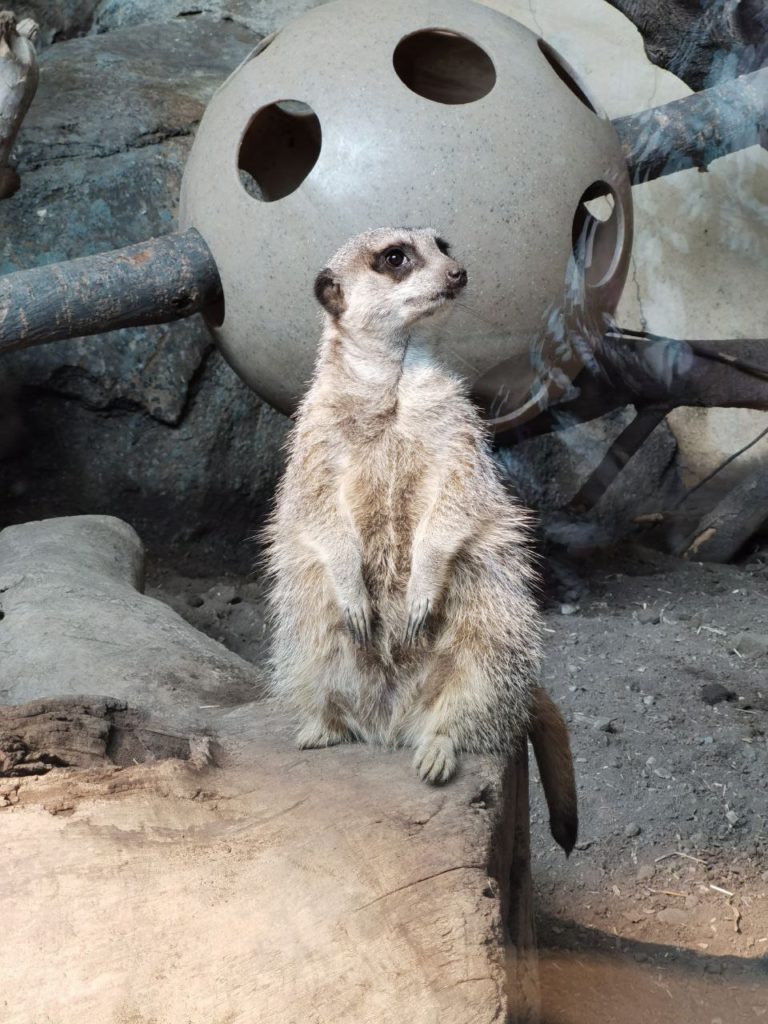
(603, 725)
(648, 616)
(60, 20)
(75, 621)
(755, 644)
(130, 89)
(662, 773)
(645, 872)
(649, 700)
(716, 693)
(632, 829)
(672, 915)
(258, 15)
(732, 818)
(568, 609)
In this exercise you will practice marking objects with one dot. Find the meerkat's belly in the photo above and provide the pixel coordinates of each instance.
(385, 494)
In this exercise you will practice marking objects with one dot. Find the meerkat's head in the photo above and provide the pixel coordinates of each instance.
(388, 279)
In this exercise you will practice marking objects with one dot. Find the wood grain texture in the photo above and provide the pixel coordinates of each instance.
(157, 281)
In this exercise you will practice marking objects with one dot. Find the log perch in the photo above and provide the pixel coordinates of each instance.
(723, 532)
(158, 281)
(18, 84)
(695, 130)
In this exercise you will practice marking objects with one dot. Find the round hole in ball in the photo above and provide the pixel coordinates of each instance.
(278, 149)
(444, 66)
(597, 234)
(566, 74)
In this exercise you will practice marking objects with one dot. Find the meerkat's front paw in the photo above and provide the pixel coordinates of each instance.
(436, 760)
(359, 623)
(315, 733)
(418, 613)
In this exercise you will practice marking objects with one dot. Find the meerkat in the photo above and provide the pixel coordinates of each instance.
(401, 568)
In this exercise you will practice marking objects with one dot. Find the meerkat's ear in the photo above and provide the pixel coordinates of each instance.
(329, 293)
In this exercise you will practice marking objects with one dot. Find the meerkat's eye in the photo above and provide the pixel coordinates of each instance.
(395, 258)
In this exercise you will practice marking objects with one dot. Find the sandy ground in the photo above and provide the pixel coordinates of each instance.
(661, 914)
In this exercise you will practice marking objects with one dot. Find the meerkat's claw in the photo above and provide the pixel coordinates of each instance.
(418, 614)
(436, 760)
(359, 624)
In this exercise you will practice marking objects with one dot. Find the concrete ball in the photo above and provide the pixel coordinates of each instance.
(467, 122)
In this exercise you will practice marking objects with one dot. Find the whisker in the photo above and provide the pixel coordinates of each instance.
(479, 316)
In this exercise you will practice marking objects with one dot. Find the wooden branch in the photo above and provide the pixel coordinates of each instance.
(722, 533)
(159, 281)
(694, 131)
(18, 83)
(649, 370)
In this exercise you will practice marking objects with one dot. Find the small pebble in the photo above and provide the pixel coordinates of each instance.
(195, 601)
(568, 609)
(632, 829)
(662, 773)
(731, 817)
(649, 700)
(648, 616)
(603, 725)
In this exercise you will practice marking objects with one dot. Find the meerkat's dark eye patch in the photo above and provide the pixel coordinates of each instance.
(396, 260)
(443, 246)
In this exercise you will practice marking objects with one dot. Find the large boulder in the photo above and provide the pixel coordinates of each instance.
(58, 20)
(262, 16)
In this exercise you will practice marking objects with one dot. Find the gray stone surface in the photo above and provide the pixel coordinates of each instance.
(262, 16)
(75, 621)
(58, 19)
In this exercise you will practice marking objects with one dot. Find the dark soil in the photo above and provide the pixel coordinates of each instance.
(661, 668)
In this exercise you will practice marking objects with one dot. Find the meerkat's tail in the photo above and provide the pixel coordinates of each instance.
(549, 738)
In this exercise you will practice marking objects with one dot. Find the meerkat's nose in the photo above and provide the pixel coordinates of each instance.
(457, 277)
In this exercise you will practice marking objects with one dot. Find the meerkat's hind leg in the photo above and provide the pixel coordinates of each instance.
(316, 733)
(436, 759)
(327, 727)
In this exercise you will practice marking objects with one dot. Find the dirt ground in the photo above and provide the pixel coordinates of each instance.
(661, 914)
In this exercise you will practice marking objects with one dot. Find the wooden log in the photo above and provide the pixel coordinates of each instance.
(642, 369)
(695, 130)
(722, 533)
(83, 732)
(158, 281)
(18, 84)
